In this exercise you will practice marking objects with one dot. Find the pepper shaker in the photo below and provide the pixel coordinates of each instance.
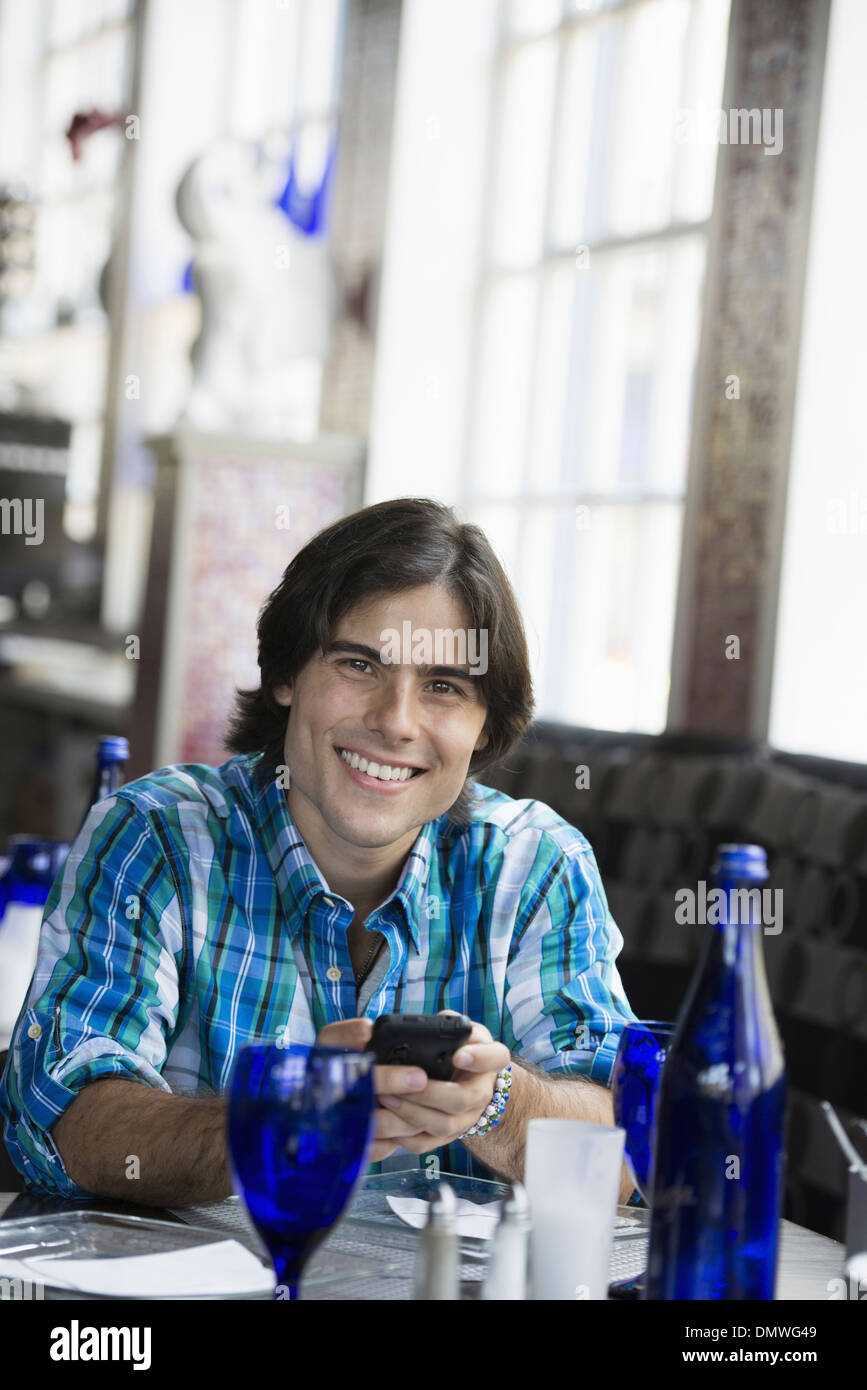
(436, 1269)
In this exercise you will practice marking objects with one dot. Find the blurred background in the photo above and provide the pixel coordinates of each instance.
(592, 273)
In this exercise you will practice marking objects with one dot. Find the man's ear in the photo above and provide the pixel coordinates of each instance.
(282, 693)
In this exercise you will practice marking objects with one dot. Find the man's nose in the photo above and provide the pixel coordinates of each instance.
(395, 710)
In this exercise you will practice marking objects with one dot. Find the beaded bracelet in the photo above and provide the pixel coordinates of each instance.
(490, 1116)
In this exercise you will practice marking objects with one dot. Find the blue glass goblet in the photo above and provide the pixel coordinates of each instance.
(635, 1078)
(301, 1124)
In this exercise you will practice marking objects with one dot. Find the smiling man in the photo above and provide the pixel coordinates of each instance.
(343, 864)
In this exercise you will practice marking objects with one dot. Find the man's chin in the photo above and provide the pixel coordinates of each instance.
(377, 827)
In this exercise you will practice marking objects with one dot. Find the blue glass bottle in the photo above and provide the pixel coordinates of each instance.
(718, 1165)
(112, 752)
(25, 883)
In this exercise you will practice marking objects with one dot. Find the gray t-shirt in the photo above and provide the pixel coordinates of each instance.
(371, 984)
(401, 1158)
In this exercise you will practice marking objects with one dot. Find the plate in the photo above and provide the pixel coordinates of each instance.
(90, 1234)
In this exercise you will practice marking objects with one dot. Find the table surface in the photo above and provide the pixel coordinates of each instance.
(370, 1254)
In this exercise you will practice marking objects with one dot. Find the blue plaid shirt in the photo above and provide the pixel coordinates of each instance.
(189, 919)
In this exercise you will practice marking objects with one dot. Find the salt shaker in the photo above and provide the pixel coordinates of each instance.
(506, 1277)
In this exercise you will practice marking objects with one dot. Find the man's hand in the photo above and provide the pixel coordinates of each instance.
(444, 1110)
(390, 1131)
(432, 1113)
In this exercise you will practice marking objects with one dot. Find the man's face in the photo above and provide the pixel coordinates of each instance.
(393, 714)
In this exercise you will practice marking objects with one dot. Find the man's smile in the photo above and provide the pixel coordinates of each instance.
(381, 777)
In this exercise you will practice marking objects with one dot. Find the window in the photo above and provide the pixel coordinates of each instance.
(61, 58)
(586, 335)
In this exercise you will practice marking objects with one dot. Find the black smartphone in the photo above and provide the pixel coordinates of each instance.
(420, 1040)
(628, 1288)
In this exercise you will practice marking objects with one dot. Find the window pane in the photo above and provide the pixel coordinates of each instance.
(505, 375)
(634, 343)
(520, 179)
(247, 96)
(265, 66)
(598, 607)
(66, 21)
(701, 89)
(600, 68)
(670, 365)
(579, 7)
(622, 162)
(318, 55)
(642, 135)
(573, 145)
(501, 526)
(103, 74)
(614, 618)
(114, 10)
(532, 16)
(537, 591)
(551, 380)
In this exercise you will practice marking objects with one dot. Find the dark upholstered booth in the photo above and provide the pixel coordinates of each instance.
(654, 810)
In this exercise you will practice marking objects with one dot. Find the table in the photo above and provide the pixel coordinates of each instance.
(369, 1256)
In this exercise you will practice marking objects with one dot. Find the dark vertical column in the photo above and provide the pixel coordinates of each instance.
(360, 202)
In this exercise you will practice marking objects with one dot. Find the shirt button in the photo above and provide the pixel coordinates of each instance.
(333, 973)
(330, 902)
(34, 1031)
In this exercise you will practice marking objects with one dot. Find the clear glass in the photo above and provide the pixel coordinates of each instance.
(301, 1126)
(572, 1176)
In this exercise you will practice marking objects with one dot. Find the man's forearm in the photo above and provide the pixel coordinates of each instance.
(536, 1095)
(123, 1139)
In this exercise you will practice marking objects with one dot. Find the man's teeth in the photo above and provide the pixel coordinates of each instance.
(380, 770)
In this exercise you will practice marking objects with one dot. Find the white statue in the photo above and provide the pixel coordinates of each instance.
(268, 293)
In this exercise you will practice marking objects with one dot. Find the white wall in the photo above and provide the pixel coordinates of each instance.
(819, 697)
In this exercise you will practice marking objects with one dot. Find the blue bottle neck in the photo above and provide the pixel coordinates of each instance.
(738, 910)
(109, 776)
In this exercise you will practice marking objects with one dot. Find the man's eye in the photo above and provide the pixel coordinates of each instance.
(353, 662)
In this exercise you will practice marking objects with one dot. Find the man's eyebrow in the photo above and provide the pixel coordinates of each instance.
(373, 656)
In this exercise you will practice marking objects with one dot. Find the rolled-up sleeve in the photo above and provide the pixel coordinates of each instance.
(104, 996)
(564, 1004)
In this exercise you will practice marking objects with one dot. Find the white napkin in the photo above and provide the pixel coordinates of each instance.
(225, 1267)
(472, 1219)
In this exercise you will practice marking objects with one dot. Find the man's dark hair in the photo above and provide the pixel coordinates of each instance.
(401, 544)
